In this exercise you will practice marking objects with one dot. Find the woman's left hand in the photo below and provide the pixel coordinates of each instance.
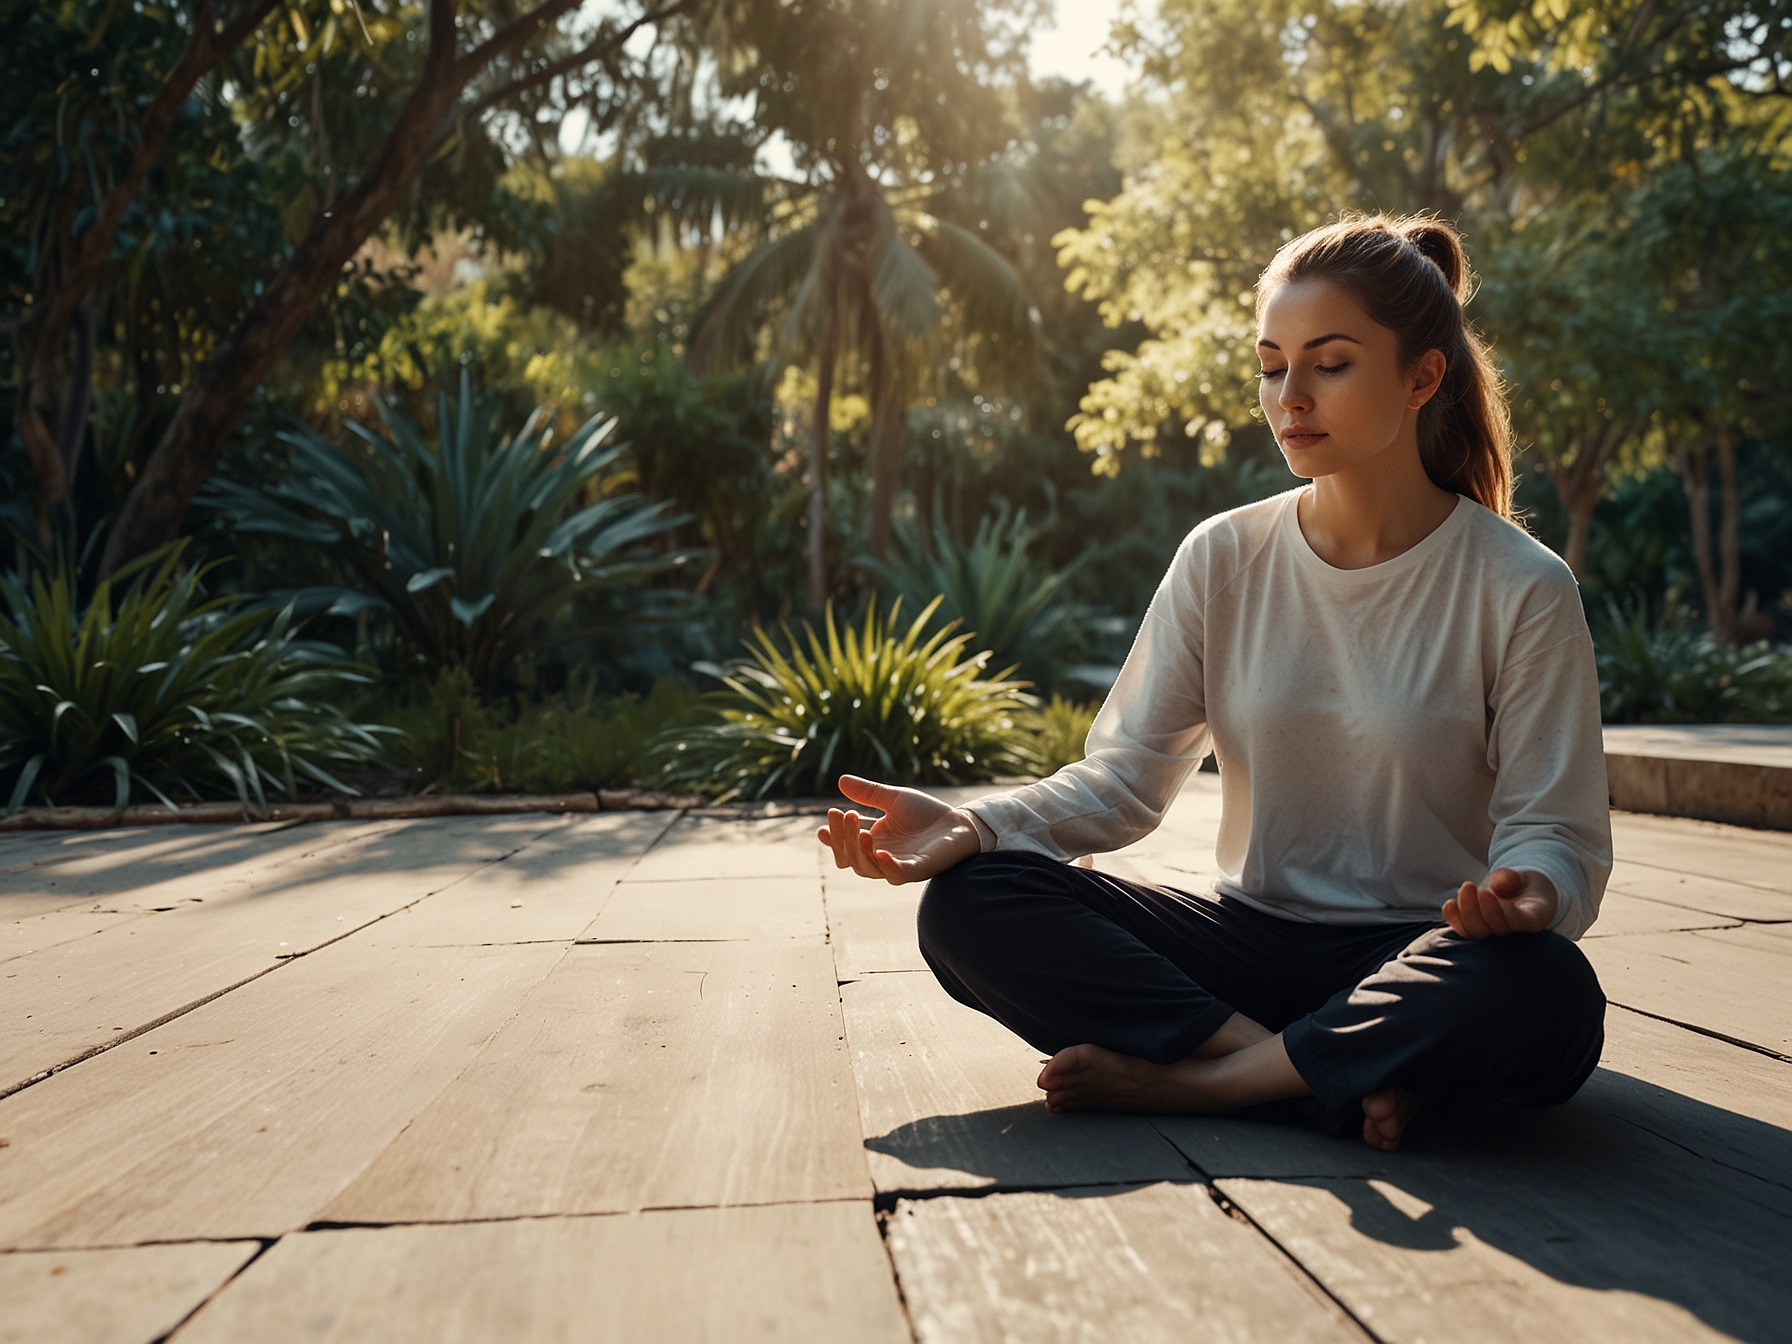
(1507, 902)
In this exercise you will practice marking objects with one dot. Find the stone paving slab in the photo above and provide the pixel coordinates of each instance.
(871, 925)
(1621, 913)
(245, 1117)
(1411, 1271)
(706, 847)
(1734, 981)
(711, 908)
(947, 1102)
(122, 1295)
(645, 1075)
(547, 890)
(84, 995)
(1703, 850)
(1691, 891)
(788, 1274)
(1155, 1264)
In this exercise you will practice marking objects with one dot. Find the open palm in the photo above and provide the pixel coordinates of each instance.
(917, 837)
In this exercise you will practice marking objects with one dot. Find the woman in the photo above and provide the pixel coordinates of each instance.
(1399, 686)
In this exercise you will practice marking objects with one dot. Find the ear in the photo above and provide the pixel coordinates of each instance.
(1427, 377)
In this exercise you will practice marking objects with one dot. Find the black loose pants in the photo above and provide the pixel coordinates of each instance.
(1065, 956)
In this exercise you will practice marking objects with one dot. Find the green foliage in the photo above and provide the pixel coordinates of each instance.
(153, 685)
(474, 547)
(457, 743)
(708, 442)
(908, 707)
(1667, 671)
(992, 588)
(1060, 729)
(1319, 106)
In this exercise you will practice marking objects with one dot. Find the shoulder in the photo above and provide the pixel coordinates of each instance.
(1530, 591)
(1223, 545)
(1506, 550)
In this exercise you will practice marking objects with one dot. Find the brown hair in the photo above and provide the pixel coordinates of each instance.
(1409, 274)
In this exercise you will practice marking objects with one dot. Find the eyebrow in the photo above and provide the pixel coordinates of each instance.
(1316, 342)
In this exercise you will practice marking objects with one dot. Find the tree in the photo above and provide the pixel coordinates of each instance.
(888, 108)
(1496, 114)
(1709, 237)
(430, 76)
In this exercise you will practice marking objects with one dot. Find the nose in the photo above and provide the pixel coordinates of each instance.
(1293, 395)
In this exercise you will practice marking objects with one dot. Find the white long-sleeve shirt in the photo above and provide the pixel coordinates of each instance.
(1384, 734)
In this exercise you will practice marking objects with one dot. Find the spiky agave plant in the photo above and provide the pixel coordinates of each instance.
(475, 546)
(153, 685)
(907, 706)
(991, 587)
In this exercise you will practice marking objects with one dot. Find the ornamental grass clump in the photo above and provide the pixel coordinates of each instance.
(910, 708)
(151, 685)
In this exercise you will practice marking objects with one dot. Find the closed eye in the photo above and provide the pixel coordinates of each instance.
(1327, 369)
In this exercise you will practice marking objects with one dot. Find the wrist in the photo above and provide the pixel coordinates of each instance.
(986, 838)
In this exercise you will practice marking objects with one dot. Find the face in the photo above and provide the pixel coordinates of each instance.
(1332, 386)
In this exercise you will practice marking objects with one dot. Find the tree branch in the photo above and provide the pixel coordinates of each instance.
(204, 51)
(518, 34)
(596, 49)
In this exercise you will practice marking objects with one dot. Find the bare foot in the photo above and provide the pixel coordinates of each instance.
(1088, 1078)
(1386, 1115)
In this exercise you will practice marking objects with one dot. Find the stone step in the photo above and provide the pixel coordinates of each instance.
(1738, 773)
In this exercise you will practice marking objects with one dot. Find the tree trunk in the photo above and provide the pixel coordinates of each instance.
(888, 420)
(52, 425)
(818, 462)
(1695, 479)
(1729, 580)
(1580, 526)
(224, 384)
(1579, 488)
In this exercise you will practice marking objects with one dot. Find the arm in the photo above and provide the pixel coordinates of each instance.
(1151, 732)
(1551, 850)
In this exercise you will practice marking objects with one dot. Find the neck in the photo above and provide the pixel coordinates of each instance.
(1374, 511)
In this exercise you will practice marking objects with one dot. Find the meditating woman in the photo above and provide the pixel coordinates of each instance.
(1399, 687)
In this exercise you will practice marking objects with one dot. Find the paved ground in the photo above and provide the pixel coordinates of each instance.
(642, 1076)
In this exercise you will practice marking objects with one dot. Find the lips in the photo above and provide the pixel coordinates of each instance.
(1300, 436)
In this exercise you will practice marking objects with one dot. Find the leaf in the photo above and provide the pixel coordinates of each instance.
(127, 722)
(22, 789)
(121, 782)
(468, 612)
(418, 582)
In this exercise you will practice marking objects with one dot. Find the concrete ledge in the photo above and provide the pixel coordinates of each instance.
(335, 809)
(1735, 773)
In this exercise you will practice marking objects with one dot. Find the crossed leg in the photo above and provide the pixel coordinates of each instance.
(1111, 979)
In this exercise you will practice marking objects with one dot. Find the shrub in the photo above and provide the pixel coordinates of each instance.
(474, 547)
(1667, 672)
(456, 742)
(1059, 731)
(909, 707)
(164, 689)
(992, 589)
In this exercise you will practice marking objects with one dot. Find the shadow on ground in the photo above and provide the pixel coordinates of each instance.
(1630, 1188)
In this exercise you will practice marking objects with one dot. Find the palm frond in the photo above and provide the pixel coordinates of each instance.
(904, 286)
(726, 324)
(993, 296)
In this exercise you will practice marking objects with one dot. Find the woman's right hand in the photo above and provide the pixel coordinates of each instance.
(917, 837)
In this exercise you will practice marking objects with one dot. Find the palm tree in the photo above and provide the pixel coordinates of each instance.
(860, 254)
